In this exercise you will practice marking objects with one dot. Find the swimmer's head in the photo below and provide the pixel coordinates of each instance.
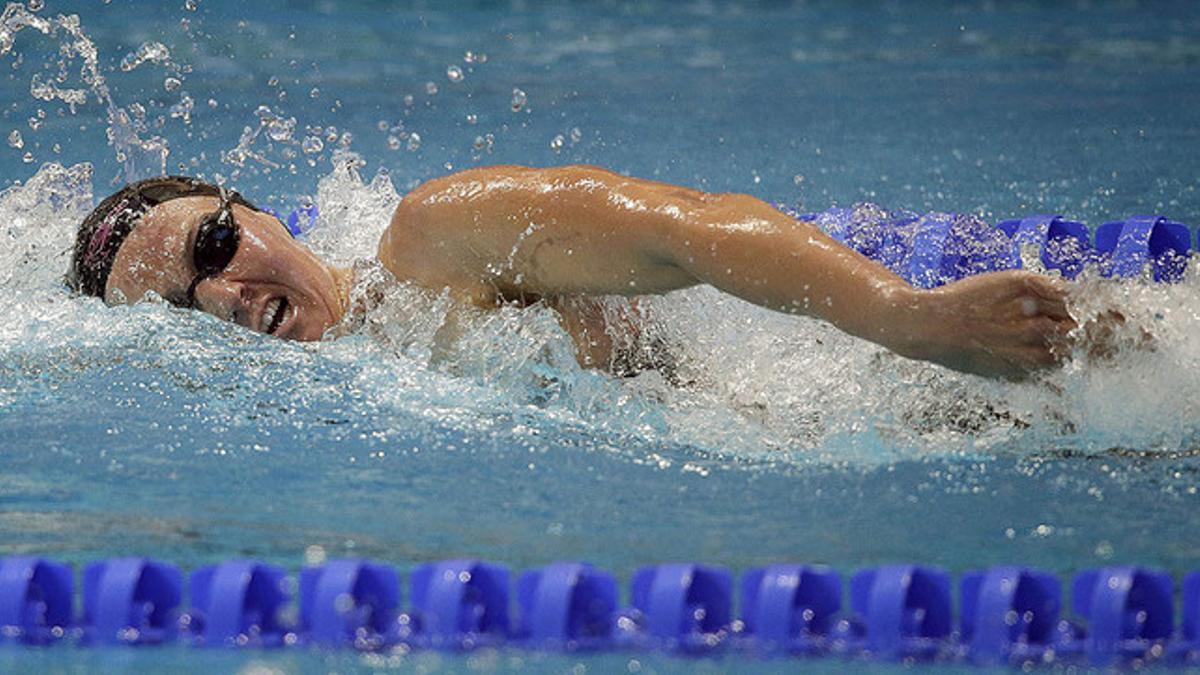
(199, 246)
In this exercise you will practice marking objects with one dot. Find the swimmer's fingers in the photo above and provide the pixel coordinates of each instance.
(1044, 330)
(1050, 295)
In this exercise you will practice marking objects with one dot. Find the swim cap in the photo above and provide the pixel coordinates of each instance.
(106, 227)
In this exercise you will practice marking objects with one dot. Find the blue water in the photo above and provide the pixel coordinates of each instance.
(152, 432)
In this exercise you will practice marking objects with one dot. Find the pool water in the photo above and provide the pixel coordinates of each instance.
(149, 431)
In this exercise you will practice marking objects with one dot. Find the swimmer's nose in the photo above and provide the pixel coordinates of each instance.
(225, 299)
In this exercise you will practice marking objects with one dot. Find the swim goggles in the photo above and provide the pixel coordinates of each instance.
(216, 243)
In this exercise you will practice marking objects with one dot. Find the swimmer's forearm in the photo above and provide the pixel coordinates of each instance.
(748, 248)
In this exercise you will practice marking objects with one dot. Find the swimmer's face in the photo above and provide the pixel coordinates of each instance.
(272, 285)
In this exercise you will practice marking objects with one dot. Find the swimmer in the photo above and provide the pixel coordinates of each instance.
(509, 234)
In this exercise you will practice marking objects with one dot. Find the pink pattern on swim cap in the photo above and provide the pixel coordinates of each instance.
(100, 237)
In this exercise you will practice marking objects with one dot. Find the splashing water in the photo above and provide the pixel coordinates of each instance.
(140, 157)
(750, 383)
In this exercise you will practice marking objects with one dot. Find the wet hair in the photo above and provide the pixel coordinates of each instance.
(107, 226)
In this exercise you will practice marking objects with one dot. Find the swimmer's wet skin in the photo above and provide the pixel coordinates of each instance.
(503, 234)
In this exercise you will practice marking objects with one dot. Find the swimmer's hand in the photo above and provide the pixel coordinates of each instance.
(1003, 324)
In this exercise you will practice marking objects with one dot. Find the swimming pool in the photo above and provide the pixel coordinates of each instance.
(144, 431)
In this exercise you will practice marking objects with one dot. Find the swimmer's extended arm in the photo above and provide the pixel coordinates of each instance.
(506, 232)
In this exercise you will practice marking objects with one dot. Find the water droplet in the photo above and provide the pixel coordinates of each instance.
(454, 73)
(393, 142)
(273, 82)
(472, 118)
(414, 141)
(314, 93)
(34, 123)
(312, 145)
(798, 179)
(27, 158)
(518, 100)
(576, 135)
(331, 135)
(408, 100)
(15, 140)
(280, 129)
(431, 88)
(346, 139)
(190, 5)
(469, 57)
(382, 125)
(485, 142)
(171, 83)
(36, 5)
(212, 103)
(556, 143)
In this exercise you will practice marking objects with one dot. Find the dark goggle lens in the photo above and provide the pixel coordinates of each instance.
(216, 244)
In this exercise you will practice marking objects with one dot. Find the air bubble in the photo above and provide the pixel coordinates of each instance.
(280, 129)
(454, 73)
(154, 52)
(518, 99)
(312, 145)
(171, 83)
(485, 142)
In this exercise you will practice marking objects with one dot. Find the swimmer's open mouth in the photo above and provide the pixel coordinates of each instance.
(276, 310)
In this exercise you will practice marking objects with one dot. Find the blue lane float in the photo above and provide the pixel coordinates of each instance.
(681, 605)
(1059, 244)
(237, 603)
(1007, 615)
(349, 602)
(459, 604)
(131, 600)
(1129, 246)
(35, 599)
(567, 605)
(1010, 613)
(790, 608)
(299, 220)
(936, 248)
